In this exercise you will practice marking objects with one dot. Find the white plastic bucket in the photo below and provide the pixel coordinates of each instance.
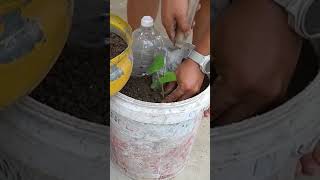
(154, 140)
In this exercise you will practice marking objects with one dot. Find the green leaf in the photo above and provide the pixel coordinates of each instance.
(156, 85)
(158, 63)
(168, 77)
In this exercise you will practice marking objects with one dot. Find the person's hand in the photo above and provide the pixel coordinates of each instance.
(189, 82)
(207, 113)
(309, 164)
(256, 56)
(174, 16)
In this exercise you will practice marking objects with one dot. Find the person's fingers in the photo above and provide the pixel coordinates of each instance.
(238, 112)
(169, 24)
(170, 29)
(170, 87)
(309, 165)
(316, 154)
(172, 32)
(207, 113)
(223, 98)
(174, 96)
(193, 24)
(199, 7)
(186, 96)
(298, 172)
(248, 105)
(183, 24)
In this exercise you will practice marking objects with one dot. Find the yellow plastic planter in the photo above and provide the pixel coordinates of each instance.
(32, 35)
(121, 65)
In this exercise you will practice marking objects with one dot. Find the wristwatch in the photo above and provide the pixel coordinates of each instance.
(203, 61)
(303, 16)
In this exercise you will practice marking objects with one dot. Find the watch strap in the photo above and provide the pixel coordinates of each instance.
(297, 10)
(196, 57)
(200, 59)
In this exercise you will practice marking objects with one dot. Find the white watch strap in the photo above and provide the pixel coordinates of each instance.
(201, 60)
(197, 57)
(297, 10)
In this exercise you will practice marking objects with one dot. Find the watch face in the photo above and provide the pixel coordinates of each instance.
(312, 23)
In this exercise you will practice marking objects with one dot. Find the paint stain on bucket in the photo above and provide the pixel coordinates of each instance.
(161, 159)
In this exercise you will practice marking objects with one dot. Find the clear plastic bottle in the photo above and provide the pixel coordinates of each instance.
(147, 43)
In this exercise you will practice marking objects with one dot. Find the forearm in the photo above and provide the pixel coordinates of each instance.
(201, 35)
(202, 45)
(256, 56)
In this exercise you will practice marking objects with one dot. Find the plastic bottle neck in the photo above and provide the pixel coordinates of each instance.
(143, 28)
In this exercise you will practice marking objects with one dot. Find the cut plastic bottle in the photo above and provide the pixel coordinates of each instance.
(147, 43)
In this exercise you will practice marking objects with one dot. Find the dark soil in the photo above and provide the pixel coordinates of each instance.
(139, 88)
(77, 85)
(136, 87)
(117, 45)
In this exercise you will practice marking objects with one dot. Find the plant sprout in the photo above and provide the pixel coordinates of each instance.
(161, 78)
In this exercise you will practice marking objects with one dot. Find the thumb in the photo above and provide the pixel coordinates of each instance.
(170, 87)
(169, 25)
(207, 112)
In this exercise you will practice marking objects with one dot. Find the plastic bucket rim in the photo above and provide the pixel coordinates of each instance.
(137, 102)
(128, 39)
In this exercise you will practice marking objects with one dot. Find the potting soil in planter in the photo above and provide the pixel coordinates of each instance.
(117, 45)
(140, 88)
(137, 87)
(76, 85)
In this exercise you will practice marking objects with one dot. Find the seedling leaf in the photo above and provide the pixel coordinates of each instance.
(157, 65)
(168, 77)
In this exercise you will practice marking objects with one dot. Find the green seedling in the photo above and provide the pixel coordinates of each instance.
(157, 65)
